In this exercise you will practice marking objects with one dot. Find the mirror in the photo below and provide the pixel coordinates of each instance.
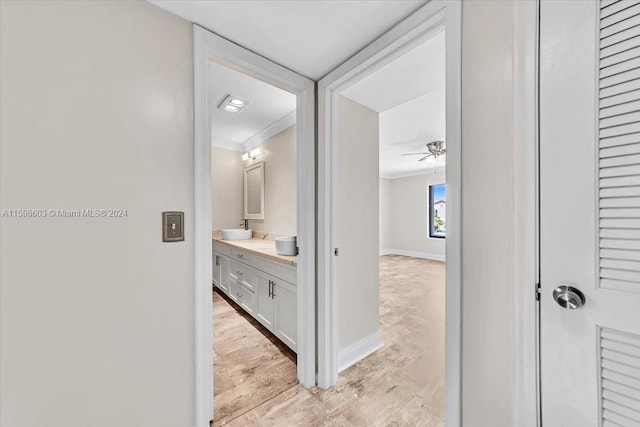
(254, 191)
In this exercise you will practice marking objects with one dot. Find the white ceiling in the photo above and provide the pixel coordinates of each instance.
(309, 37)
(409, 94)
(416, 72)
(312, 37)
(267, 104)
(406, 129)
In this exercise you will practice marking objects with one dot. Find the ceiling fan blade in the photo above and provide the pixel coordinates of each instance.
(424, 158)
(413, 154)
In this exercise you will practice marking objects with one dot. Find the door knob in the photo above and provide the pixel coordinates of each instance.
(568, 297)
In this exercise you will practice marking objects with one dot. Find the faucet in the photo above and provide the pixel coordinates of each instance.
(244, 223)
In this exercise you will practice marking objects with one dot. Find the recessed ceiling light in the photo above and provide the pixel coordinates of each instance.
(233, 104)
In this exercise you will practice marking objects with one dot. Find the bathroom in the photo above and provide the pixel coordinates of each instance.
(254, 223)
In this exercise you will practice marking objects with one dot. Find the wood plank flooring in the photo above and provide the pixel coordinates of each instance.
(251, 366)
(401, 384)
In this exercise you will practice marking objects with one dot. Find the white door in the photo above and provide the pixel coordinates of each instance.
(590, 212)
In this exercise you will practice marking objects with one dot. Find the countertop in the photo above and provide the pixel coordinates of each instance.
(263, 247)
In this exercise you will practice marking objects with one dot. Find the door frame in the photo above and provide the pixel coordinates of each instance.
(526, 362)
(209, 47)
(435, 16)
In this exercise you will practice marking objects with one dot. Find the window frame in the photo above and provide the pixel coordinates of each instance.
(432, 210)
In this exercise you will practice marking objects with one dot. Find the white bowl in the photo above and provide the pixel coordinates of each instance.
(286, 245)
(235, 234)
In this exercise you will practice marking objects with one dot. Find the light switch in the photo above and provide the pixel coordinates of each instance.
(172, 226)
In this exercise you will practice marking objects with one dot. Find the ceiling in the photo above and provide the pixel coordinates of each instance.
(267, 104)
(312, 38)
(406, 129)
(409, 94)
(309, 37)
(418, 71)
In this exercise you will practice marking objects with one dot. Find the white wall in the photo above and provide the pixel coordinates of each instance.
(488, 190)
(385, 214)
(357, 222)
(227, 188)
(280, 187)
(409, 220)
(96, 314)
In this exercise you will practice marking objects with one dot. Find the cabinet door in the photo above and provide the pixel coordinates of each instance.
(223, 283)
(221, 272)
(285, 321)
(264, 309)
(216, 269)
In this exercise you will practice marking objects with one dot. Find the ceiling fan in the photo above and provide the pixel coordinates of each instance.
(435, 151)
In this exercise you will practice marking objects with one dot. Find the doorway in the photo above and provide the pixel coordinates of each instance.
(210, 49)
(432, 19)
(390, 133)
(253, 179)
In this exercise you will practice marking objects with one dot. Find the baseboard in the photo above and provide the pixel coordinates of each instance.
(425, 255)
(359, 350)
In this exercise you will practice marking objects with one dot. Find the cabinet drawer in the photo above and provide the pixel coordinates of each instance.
(221, 248)
(240, 255)
(278, 269)
(243, 296)
(242, 274)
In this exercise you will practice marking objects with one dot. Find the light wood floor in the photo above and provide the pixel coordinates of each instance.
(401, 384)
(250, 365)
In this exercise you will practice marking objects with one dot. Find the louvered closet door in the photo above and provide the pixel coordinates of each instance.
(590, 212)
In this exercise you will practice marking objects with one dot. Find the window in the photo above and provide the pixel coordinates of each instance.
(437, 211)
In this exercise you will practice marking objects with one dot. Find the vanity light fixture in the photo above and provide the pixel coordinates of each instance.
(233, 104)
(251, 154)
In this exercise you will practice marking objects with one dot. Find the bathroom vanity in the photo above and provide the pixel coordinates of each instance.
(260, 281)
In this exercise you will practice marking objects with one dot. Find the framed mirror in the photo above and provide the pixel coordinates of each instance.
(254, 191)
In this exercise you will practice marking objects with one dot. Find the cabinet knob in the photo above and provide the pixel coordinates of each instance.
(239, 272)
(240, 255)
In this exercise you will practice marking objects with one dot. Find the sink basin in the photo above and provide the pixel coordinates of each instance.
(235, 234)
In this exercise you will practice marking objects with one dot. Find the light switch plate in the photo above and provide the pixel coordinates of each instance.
(172, 226)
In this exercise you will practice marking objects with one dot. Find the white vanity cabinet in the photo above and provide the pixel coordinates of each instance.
(244, 297)
(263, 287)
(264, 309)
(276, 307)
(285, 323)
(221, 272)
